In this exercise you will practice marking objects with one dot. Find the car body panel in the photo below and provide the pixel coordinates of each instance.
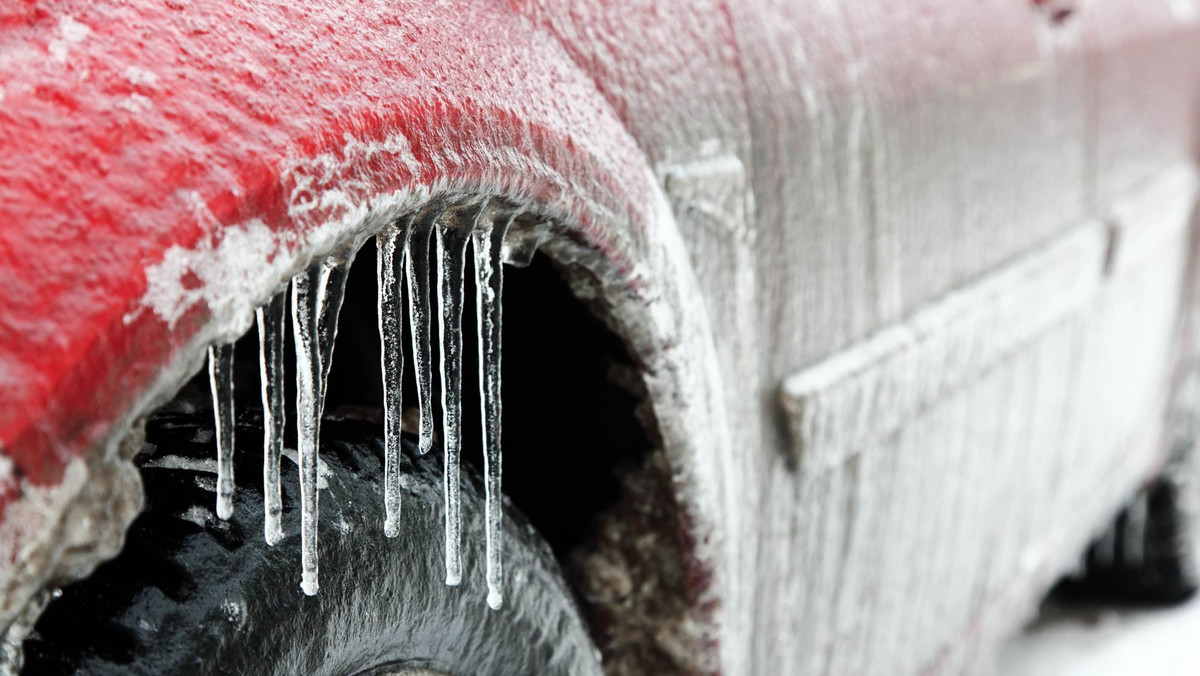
(760, 186)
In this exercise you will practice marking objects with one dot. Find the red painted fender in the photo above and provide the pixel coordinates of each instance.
(132, 134)
(164, 165)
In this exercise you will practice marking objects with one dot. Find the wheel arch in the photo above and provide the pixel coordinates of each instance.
(188, 184)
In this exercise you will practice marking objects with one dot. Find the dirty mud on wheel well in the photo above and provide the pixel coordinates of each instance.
(582, 459)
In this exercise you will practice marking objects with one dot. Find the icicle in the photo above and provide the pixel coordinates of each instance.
(418, 319)
(271, 323)
(489, 286)
(316, 300)
(305, 310)
(390, 244)
(220, 376)
(452, 250)
(337, 271)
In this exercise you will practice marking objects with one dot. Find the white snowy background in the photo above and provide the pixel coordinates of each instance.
(1083, 641)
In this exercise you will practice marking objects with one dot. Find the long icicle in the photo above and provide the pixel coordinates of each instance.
(272, 319)
(452, 242)
(316, 300)
(305, 307)
(489, 287)
(417, 258)
(220, 377)
(390, 271)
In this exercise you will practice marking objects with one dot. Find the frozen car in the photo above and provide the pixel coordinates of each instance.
(845, 328)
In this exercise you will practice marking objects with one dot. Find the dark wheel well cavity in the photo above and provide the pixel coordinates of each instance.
(584, 460)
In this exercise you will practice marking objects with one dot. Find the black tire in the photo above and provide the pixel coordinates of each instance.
(193, 594)
(1148, 555)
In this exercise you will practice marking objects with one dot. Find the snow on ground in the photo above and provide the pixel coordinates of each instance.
(1092, 641)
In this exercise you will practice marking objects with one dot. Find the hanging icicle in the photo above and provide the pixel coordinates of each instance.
(337, 271)
(317, 295)
(391, 244)
(489, 286)
(220, 377)
(316, 301)
(272, 319)
(452, 242)
(417, 257)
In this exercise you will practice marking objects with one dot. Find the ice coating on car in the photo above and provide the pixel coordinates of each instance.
(220, 376)
(272, 320)
(489, 285)
(316, 301)
(390, 272)
(452, 251)
(543, 153)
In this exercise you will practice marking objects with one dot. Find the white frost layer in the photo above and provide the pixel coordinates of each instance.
(871, 389)
(7, 481)
(1149, 218)
(1055, 435)
(208, 465)
(71, 32)
(331, 201)
(222, 275)
(62, 532)
(865, 392)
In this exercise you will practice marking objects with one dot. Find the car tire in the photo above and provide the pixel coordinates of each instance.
(194, 594)
(1149, 554)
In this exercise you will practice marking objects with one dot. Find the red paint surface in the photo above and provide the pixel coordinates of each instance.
(109, 133)
(103, 169)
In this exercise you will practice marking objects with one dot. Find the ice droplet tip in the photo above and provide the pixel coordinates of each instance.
(391, 528)
(453, 580)
(424, 445)
(495, 599)
(224, 508)
(308, 583)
